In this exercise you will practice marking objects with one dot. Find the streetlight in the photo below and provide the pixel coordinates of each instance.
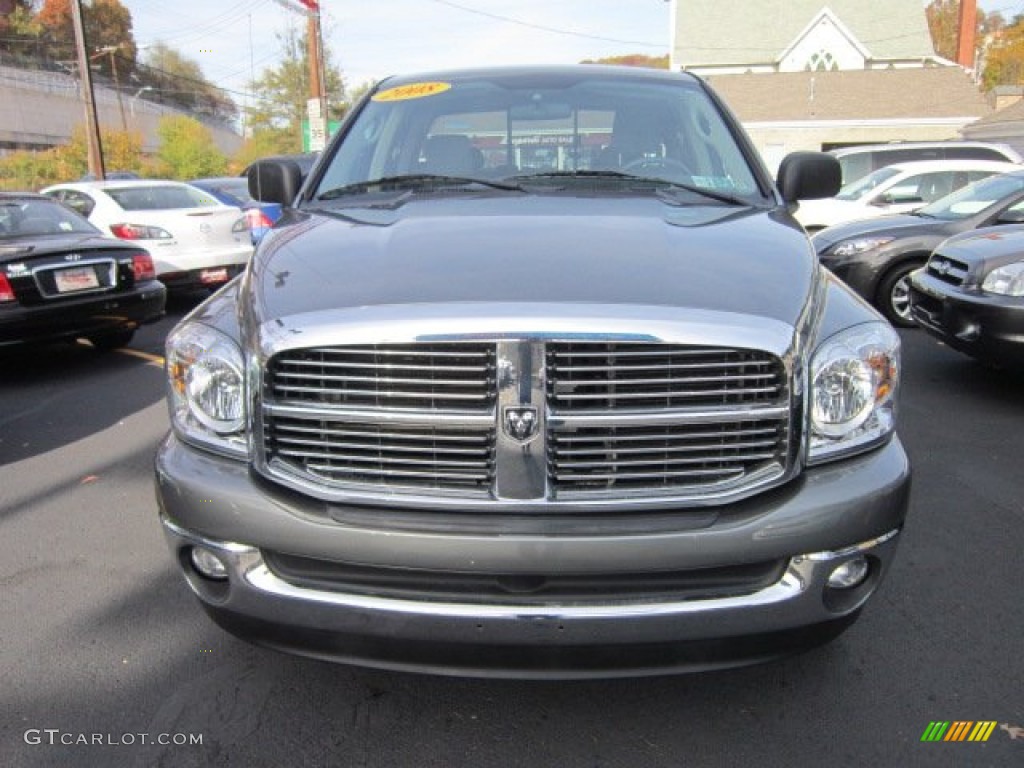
(131, 102)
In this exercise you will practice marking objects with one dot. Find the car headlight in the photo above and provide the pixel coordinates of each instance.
(860, 245)
(1005, 281)
(854, 382)
(206, 389)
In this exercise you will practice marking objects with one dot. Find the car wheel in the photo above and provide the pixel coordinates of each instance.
(894, 294)
(104, 342)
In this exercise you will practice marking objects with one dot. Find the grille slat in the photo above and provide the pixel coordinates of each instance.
(665, 450)
(695, 394)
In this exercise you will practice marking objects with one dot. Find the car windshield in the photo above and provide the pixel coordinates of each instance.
(160, 198)
(974, 197)
(21, 218)
(864, 185)
(236, 189)
(524, 131)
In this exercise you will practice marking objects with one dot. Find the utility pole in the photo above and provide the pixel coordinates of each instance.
(317, 105)
(92, 126)
(112, 51)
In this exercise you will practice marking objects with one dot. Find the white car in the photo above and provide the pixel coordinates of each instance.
(897, 188)
(195, 240)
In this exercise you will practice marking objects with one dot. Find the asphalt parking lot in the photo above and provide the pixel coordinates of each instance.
(101, 636)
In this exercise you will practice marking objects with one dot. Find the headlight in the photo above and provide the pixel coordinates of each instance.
(1005, 281)
(854, 381)
(860, 245)
(206, 389)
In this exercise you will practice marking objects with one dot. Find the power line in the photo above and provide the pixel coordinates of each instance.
(544, 28)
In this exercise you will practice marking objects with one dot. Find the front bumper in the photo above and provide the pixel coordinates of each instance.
(825, 517)
(986, 327)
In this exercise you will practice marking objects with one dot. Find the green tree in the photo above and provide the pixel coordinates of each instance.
(187, 150)
(179, 79)
(283, 91)
(266, 142)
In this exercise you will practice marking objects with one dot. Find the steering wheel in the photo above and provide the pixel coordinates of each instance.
(668, 163)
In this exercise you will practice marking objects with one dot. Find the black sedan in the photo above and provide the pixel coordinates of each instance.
(971, 295)
(875, 256)
(61, 279)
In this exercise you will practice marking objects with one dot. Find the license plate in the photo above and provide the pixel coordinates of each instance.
(208, 276)
(77, 279)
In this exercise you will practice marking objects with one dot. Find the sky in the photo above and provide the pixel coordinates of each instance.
(370, 39)
(235, 40)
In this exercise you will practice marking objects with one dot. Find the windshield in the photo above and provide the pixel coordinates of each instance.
(553, 129)
(20, 218)
(865, 184)
(974, 197)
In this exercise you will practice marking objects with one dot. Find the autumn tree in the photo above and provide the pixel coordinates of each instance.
(1004, 60)
(632, 60)
(187, 150)
(108, 24)
(283, 91)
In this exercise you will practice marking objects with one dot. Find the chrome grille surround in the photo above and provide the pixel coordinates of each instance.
(948, 270)
(664, 449)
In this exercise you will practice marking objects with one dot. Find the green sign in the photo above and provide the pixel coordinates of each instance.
(317, 143)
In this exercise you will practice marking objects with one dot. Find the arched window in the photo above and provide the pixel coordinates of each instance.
(822, 61)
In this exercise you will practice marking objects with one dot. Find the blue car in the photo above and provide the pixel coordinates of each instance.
(234, 190)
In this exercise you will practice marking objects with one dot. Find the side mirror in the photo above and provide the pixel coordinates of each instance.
(274, 181)
(1011, 216)
(808, 176)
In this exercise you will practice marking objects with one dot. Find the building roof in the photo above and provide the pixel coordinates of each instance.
(1011, 114)
(884, 94)
(747, 32)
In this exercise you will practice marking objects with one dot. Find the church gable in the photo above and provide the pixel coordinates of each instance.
(714, 36)
(824, 45)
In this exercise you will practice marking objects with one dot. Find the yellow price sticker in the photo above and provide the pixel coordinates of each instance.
(411, 91)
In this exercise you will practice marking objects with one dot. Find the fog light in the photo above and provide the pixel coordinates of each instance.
(209, 564)
(849, 574)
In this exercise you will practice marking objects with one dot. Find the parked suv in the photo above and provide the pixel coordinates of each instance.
(468, 413)
(860, 161)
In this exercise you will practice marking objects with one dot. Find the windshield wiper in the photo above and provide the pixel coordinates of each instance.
(659, 183)
(712, 194)
(581, 174)
(412, 181)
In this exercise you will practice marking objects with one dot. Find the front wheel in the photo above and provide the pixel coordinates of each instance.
(894, 294)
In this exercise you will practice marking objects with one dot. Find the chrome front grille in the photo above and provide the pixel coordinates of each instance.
(340, 451)
(592, 376)
(443, 423)
(673, 457)
(948, 270)
(428, 376)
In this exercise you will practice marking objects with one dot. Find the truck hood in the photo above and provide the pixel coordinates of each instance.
(536, 249)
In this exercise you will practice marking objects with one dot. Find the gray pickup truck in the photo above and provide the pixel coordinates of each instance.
(535, 377)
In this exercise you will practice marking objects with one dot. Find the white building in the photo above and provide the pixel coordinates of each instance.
(818, 74)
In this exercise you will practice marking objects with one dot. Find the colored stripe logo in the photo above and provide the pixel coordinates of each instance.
(958, 730)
